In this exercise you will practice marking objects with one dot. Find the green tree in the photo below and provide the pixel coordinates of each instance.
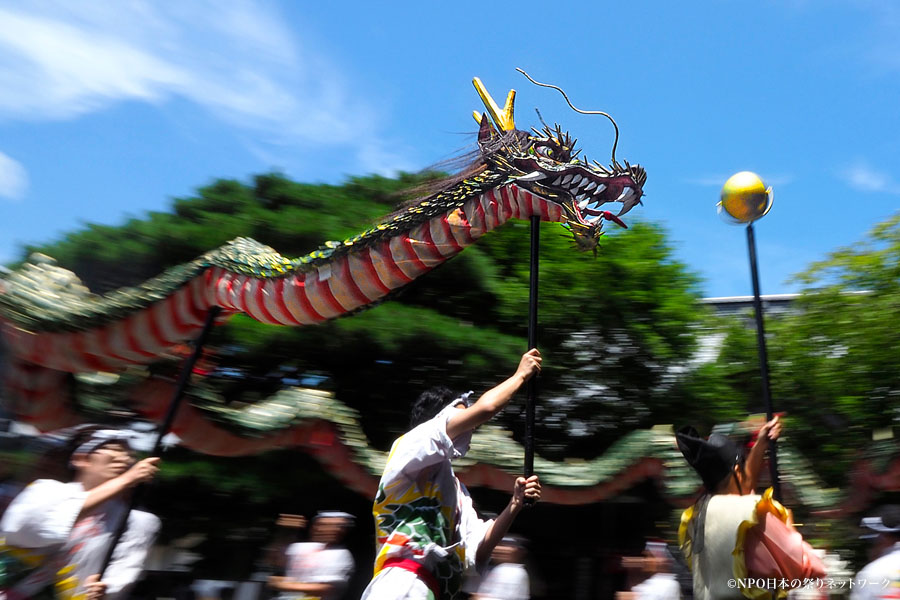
(617, 331)
(833, 360)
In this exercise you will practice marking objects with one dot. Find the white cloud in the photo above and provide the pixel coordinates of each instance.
(377, 158)
(13, 178)
(236, 59)
(54, 70)
(865, 178)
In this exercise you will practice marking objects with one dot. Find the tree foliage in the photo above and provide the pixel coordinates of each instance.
(833, 359)
(616, 330)
(619, 334)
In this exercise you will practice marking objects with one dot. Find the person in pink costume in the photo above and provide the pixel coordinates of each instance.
(732, 537)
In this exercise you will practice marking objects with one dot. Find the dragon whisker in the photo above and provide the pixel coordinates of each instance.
(578, 110)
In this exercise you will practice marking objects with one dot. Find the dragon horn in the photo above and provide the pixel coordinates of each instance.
(504, 118)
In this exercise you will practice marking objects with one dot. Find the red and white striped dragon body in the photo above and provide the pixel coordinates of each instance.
(49, 333)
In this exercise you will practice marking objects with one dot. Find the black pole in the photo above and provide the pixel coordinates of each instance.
(763, 361)
(532, 343)
(183, 379)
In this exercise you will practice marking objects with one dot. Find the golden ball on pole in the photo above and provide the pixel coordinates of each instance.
(745, 197)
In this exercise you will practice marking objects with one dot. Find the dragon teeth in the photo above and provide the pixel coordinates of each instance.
(625, 195)
(628, 198)
(581, 197)
(600, 188)
(590, 186)
(583, 204)
(566, 179)
(558, 179)
(576, 181)
(533, 176)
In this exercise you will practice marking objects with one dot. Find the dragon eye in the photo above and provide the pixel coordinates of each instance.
(544, 151)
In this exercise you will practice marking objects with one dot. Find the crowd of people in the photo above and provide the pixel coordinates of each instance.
(55, 535)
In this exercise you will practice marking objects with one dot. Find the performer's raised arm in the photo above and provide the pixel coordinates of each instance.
(427, 531)
(496, 398)
(140, 472)
(524, 488)
(66, 528)
(769, 431)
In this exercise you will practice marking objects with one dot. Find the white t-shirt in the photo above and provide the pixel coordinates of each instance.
(42, 525)
(506, 581)
(312, 562)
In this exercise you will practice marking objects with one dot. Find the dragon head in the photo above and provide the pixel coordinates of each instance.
(546, 163)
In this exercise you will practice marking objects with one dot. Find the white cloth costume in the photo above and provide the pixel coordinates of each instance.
(48, 551)
(713, 567)
(659, 586)
(880, 579)
(424, 515)
(312, 562)
(506, 581)
(741, 538)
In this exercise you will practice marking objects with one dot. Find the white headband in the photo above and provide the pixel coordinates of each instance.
(876, 524)
(463, 399)
(334, 514)
(101, 437)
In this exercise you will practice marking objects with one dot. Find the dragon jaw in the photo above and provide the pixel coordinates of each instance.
(546, 166)
(581, 189)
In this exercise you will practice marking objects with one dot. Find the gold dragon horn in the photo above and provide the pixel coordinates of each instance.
(504, 118)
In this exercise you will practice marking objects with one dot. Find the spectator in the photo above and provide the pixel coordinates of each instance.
(880, 579)
(321, 567)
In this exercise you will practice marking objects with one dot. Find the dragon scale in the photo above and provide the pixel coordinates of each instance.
(331, 289)
(52, 326)
(359, 279)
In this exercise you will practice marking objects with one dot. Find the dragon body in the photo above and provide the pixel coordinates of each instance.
(53, 327)
(58, 336)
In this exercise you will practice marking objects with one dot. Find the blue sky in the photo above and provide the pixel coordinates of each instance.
(111, 109)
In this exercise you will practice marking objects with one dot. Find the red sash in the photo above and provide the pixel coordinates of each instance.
(419, 570)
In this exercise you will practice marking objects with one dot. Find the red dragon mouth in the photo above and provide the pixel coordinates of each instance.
(582, 190)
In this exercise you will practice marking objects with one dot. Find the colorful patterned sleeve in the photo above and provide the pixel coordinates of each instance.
(43, 514)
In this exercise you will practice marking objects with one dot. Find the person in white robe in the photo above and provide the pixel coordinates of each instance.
(427, 531)
(55, 535)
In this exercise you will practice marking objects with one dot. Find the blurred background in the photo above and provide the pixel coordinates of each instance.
(119, 173)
